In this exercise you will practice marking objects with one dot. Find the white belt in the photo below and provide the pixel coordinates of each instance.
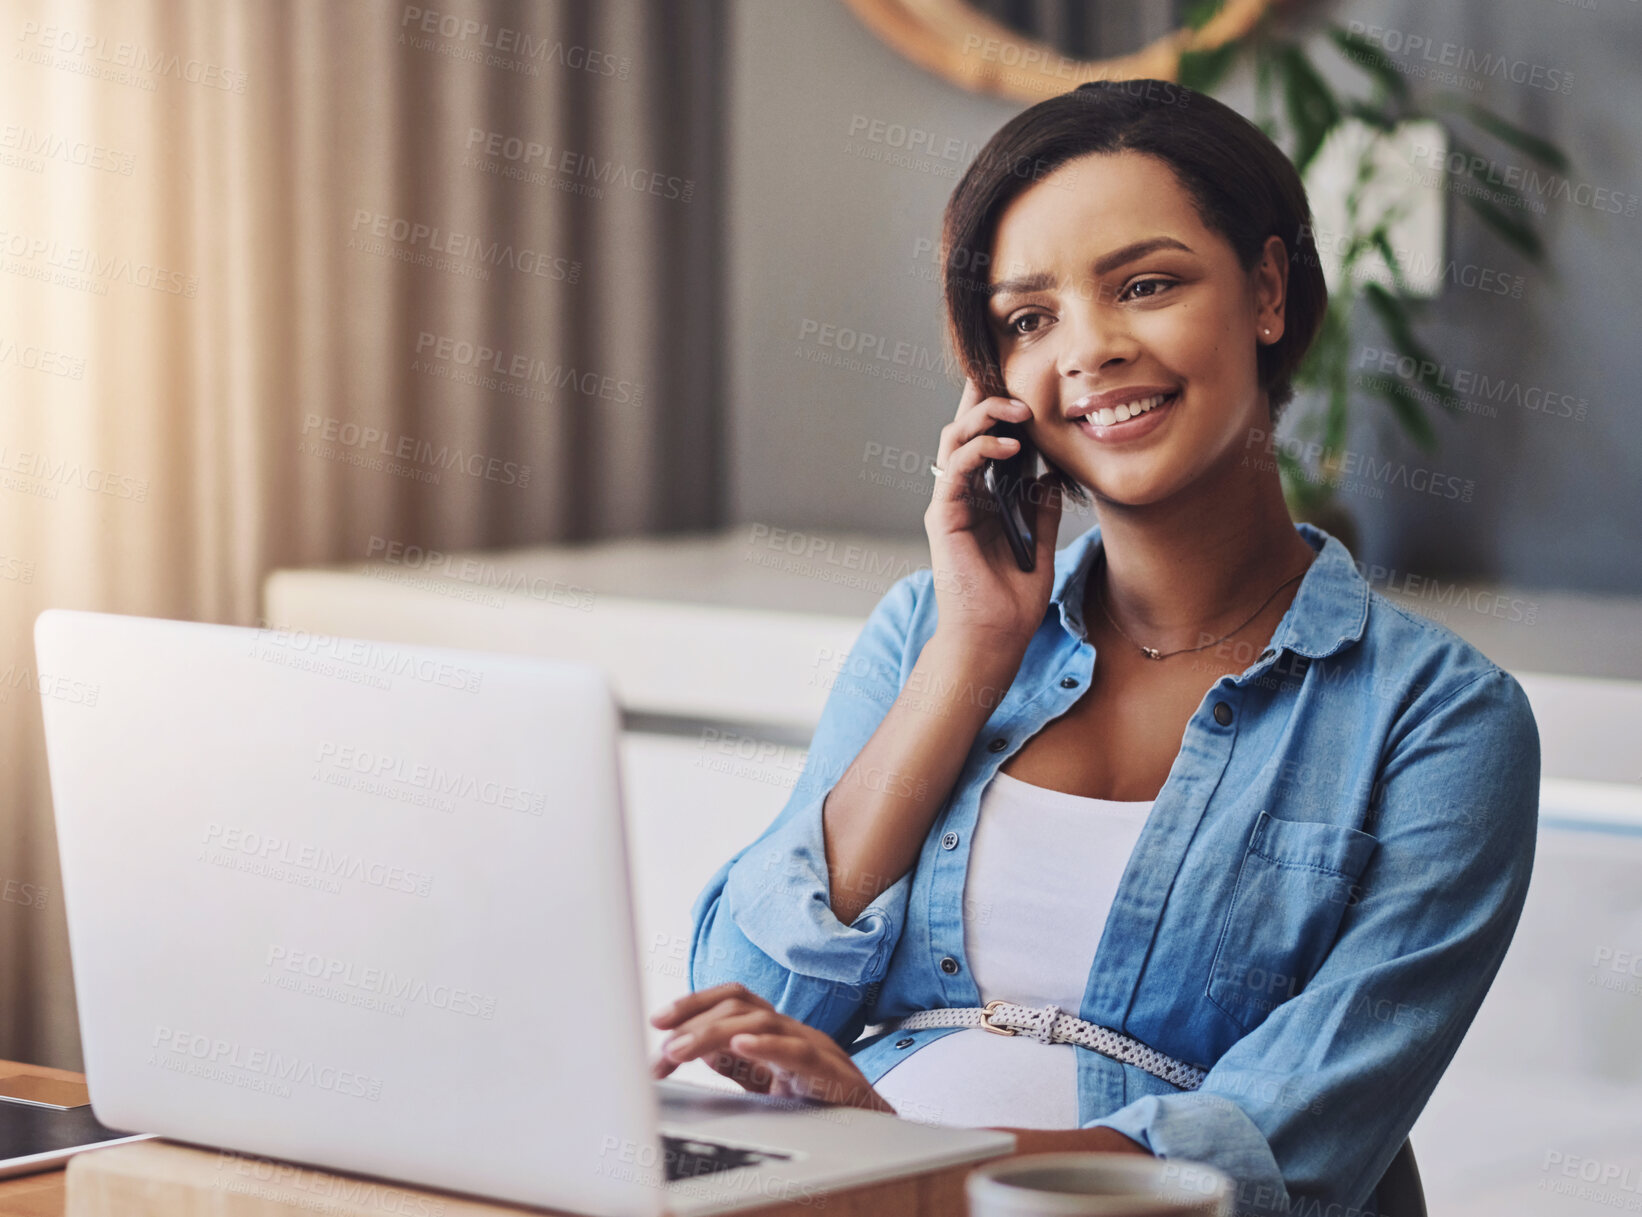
(1050, 1025)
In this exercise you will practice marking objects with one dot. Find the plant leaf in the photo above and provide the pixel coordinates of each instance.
(1517, 233)
(1337, 417)
(1408, 413)
(1262, 88)
(1198, 13)
(1542, 150)
(1371, 59)
(1538, 147)
(1377, 117)
(1381, 240)
(1393, 315)
(1513, 197)
(1517, 230)
(1301, 492)
(1203, 70)
(1311, 371)
(1311, 104)
(1330, 348)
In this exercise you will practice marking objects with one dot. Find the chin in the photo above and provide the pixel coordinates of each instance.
(1127, 490)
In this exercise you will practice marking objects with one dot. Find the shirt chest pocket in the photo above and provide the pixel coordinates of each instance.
(1296, 881)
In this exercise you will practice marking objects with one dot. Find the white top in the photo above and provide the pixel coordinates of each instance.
(1043, 869)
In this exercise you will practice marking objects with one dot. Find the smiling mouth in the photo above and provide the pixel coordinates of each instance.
(1112, 416)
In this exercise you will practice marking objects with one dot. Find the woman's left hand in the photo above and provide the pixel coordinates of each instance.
(742, 1036)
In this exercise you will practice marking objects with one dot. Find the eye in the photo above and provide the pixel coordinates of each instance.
(1014, 322)
(1158, 286)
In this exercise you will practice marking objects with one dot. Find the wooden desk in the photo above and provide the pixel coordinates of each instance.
(42, 1195)
(142, 1180)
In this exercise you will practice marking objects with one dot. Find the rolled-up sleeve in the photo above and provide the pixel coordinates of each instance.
(765, 917)
(1308, 1109)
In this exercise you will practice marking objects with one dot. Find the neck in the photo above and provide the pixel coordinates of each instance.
(1199, 563)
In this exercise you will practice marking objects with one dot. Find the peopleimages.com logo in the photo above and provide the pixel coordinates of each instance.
(374, 441)
(221, 1059)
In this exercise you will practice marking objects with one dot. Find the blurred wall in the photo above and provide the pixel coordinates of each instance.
(290, 284)
(838, 383)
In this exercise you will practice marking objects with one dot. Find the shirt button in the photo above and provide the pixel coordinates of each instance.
(998, 745)
(949, 841)
(906, 1043)
(1069, 682)
(1222, 713)
(949, 965)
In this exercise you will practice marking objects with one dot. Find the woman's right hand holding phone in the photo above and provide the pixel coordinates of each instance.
(982, 595)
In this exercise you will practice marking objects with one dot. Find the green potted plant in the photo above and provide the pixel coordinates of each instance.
(1368, 273)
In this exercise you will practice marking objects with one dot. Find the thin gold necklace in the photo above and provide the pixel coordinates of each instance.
(1154, 653)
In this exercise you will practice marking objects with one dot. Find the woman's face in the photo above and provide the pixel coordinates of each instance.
(1106, 282)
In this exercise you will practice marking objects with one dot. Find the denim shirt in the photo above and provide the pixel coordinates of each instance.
(1319, 900)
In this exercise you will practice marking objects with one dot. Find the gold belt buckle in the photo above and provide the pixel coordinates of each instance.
(986, 1019)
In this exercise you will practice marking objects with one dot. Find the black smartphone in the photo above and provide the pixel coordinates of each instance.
(1010, 482)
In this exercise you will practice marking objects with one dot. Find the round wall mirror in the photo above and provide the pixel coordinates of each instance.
(1028, 50)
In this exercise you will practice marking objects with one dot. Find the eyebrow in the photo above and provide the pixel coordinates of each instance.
(1041, 280)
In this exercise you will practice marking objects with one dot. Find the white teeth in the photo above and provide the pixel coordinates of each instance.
(1133, 409)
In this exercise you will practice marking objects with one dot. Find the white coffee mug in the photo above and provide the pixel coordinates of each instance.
(1097, 1185)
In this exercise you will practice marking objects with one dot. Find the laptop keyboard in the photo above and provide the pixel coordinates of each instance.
(689, 1158)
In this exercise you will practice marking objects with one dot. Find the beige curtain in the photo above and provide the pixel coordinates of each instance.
(285, 281)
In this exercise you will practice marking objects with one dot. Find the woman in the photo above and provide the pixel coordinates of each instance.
(1274, 842)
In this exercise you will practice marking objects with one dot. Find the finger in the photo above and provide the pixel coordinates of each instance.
(981, 418)
(959, 470)
(775, 1048)
(711, 1032)
(692, 1004)
(815, 1074)
(698, 1031)
(749, 1075)
(985, 414)
(971, 395)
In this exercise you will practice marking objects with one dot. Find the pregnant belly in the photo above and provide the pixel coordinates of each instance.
(975, 1078)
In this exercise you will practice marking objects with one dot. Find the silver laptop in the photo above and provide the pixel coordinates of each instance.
(365, 906)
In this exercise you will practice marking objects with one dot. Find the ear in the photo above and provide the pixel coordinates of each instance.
(1271, 281)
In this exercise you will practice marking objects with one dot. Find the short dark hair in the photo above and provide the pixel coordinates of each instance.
(1243, 186)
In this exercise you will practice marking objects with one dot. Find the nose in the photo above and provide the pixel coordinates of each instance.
(1095, 338)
